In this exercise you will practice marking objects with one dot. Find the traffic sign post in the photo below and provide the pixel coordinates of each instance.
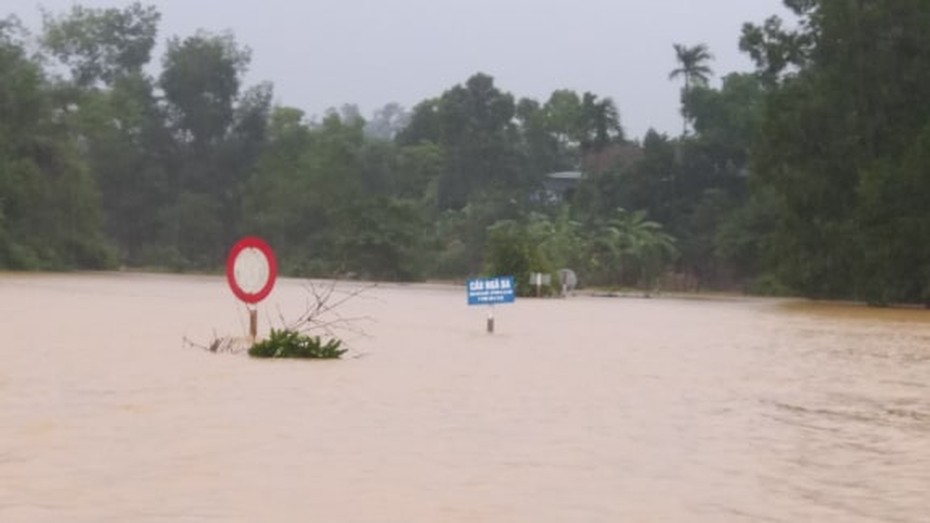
(491, 291)
(251, 271)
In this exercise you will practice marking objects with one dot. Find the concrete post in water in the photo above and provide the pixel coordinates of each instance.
(491, 322)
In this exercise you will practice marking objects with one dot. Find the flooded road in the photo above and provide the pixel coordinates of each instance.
(586, 409)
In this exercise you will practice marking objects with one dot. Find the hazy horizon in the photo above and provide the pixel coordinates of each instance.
(328, 53)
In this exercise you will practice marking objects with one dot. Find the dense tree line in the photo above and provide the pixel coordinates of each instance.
(843, 147)
(805, 176)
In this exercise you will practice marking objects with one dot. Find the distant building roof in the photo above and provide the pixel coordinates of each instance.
(565, 175)
(558, 186)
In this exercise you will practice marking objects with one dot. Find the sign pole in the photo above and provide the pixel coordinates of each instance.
(253, 324)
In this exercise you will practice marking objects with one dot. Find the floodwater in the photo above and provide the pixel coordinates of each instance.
(578, 410)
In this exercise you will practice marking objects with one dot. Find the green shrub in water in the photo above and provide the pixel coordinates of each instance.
(286, 343)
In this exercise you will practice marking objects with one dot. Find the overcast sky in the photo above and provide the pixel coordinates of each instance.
(325, 53)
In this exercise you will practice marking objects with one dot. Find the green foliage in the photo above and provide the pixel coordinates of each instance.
(474, 124)
(380, 239)
(807, 175)
(628, 249)
(841, 147)
(49, 205)
(561, 240)
(102, 45)
(625, 250)
(126, 148)
(766, 285)
(285, 343)
(418, 169)
(726, 120)
(741, 239)
(218, 133)
(310, 197)
(581, 124)
(511, 251)
(201, 79)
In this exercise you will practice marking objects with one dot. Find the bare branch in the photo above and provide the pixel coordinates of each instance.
(320, 317)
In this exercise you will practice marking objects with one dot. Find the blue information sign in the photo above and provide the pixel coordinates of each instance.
(491, 291)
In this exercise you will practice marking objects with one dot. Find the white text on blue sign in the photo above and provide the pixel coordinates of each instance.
(491, 291)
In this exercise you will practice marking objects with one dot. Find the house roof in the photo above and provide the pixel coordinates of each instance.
(565, 175)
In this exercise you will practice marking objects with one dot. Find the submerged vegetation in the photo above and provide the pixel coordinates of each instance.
(286, 343)
(321, 331)
(805, 176)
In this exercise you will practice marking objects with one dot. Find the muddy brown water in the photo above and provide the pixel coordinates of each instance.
(579, 410)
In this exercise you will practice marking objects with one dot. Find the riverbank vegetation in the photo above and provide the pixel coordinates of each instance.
(806, 176)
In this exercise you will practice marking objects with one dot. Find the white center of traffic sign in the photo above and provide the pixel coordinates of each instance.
(251, 270)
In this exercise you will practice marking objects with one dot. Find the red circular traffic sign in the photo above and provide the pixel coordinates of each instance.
(251, 269)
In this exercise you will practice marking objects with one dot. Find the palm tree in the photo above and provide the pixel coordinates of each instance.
(559, 238)
(639, 244)
(692, 65)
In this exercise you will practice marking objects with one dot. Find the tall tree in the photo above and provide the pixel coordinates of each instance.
(112, 108)
(218, 130)
(474, 123)
(201, 78)
(692, 66)
(846, 116)
(600, 123)
(101, 45)
(541, 148)
(49, 205)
